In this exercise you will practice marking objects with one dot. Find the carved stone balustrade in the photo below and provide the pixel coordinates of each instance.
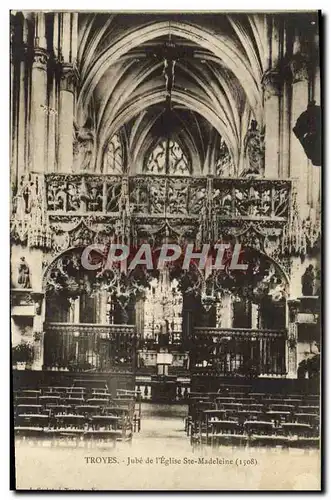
(173, 197)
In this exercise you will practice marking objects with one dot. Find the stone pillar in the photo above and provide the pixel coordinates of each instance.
(224, 315)
(271, 87)
(316, 171)
(298, 159)
(285, 132)
(38, 333)
(67, 24)
(66, 118)
(52, 115)
(292, 340)
(38, 116)
(103, 307)
(22, 116)
(140, 310)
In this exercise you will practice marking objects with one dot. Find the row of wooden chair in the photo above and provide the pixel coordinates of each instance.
(239, 417)
(76, 412)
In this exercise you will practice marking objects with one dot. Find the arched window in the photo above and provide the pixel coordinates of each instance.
(224, 163)
(178, 163)
(114, 158)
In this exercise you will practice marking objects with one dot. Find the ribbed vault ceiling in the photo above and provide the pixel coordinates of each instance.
(217, 85)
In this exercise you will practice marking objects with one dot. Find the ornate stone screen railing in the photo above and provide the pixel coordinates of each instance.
(160, 196)
(89, 347)
(239, 351)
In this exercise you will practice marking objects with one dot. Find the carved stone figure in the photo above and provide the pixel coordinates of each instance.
(308, 281)
(24, 274)
(84, 147)
(254, 150)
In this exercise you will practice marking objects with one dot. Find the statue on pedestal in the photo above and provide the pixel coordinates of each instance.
(24, 274)
(254, 150)
(308, 281)
(84, 139)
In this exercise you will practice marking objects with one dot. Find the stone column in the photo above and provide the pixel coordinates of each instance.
(271, 87)
(298, 159)
(52, 125)
(38, 333)
(103, 307)
(316, 171)
(224, 319)
(292, 340)
(140, 309)
(285, 131)
(14, 103)
(67, 24)
(66, 118)
(22, 115)
(38, 116)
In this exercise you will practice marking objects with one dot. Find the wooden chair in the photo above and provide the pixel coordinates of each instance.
(26, 400)
(296, 429)
(306, 418)
(88, 409)
(29, 393)
(32, 420)
(226, 432)
(258, 427)
(98, 401)
(308, 409)
(60, 409)
(49, 399)
(70, 421)
(74, 401)
(29, 409)
(282, 407)
(105, 421)
(277, 416)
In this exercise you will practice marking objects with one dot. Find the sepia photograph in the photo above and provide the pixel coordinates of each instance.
(165, 233)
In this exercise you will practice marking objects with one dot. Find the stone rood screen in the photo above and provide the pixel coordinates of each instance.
(165, 228)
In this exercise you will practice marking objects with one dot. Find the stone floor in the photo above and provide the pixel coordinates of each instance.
(160, 458)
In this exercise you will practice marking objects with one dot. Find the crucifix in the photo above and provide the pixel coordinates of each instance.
(169, 53)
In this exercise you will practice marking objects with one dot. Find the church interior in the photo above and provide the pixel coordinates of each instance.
(131, 128)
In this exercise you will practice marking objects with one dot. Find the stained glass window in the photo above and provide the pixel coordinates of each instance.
(224, 163)
(113, 160)
(178, 161)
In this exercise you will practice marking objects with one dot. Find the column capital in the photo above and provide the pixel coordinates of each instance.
(68, 77)
(40, 58)
(271, 82)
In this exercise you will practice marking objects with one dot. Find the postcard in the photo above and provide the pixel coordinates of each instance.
(166, 250)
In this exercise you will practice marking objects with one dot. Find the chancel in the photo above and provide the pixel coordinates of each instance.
(184, 129)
